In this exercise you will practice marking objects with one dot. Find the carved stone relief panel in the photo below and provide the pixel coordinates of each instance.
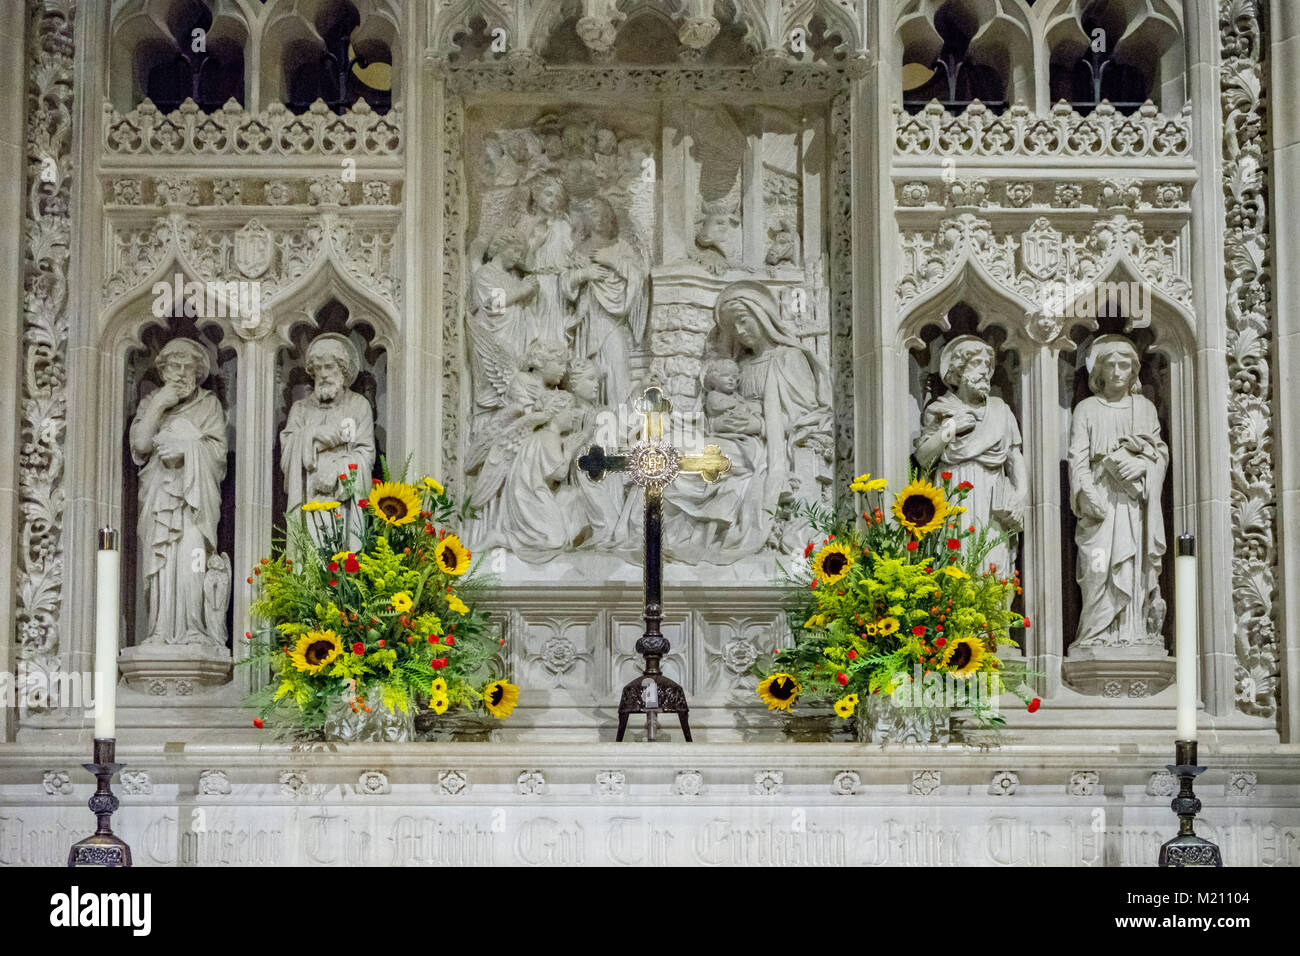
(588, 279)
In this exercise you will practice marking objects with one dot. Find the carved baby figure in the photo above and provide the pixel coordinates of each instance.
(728, 412)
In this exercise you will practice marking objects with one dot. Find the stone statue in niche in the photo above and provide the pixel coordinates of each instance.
(178, 437)
(329, 430)
(549, 234)
(1117, 464)
(974, 435)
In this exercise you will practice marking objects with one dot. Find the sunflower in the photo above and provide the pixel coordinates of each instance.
(319, 505)
(963, 656)
(451, 556)
(888, 625)
(438, 688)
(395, 502)
(921, 508)
(500, 697)
(832, 563)
(779, 691)
(402, 602)
(430, 484)
(439, 703)
(314, 650)
(845, 705)
(456, 604)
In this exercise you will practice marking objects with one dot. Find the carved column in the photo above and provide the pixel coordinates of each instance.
(1211, 458)
(1284, 98)
(13, 172)
(1044, 643)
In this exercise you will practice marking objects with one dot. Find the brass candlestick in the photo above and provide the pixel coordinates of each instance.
(102, 848)
(1187, 849)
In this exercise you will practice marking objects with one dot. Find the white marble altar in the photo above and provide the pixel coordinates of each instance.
(754, 211)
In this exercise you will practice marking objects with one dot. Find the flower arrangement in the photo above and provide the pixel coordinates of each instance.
(892, 596)
(372, 603)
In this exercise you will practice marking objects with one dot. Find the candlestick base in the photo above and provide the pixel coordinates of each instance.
(102, 848)
(1187, 849)
(667, 697)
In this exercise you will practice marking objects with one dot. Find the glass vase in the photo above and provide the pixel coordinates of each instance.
(379, 725)
(880, 720)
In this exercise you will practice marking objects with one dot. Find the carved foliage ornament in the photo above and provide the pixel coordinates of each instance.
(1248, 270)
(1040, 264)
(1104, 132)
(231, 131)
(39, 576)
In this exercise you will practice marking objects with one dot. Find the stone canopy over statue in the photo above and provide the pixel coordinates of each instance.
(568, 316)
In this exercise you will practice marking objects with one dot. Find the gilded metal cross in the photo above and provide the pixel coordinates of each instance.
(653, 464)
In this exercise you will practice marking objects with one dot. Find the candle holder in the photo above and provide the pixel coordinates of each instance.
(102, 848)
(1187, 849)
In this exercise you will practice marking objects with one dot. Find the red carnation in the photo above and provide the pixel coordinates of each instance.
(343, 477)
(842, 677)
(374, 481)
(439, 663)
(940, 641)
(450, 640)
(381, 642)
(358, 648)
(808, 550)
(351, 565)
(1026, 622)
(911, 546)
(433, 638)
(334, 582)
(352, 467)
(946, 475)
(918, 630)
(965, 486)
(853, 655)
(333, 565)
(257, 722)
(1034, 705)
(953, 544)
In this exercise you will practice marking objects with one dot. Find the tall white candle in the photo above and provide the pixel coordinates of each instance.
(1185, 641)
(108, 564)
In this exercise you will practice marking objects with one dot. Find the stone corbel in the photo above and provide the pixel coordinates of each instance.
(695, 34)
(598, 28)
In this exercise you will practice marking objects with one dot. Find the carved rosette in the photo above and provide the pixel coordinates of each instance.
(1248, 270)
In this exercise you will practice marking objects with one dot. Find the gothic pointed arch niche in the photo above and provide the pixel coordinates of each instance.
(132, 344)
(958, 51)
(1162, 331)
(168, 51)
(1124, 52)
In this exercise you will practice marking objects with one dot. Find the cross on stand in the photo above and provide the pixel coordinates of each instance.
(653, 463)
